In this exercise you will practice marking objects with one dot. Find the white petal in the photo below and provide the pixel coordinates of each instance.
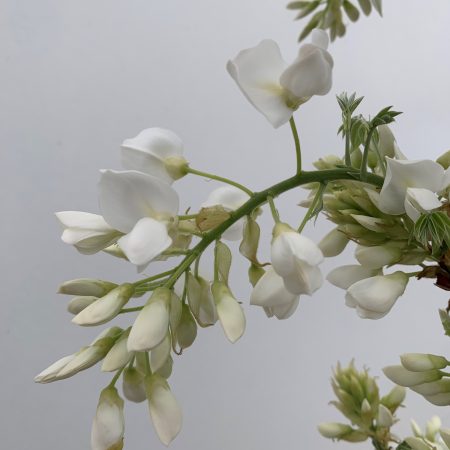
(257, 72)
(282, 312)
(235, 232)
(310, 74)
(291, 246)
(147, 240)
(133, 385)
(150, 327)
(270, 291)
(127, 196)
(229, 197)
(47, 374)
(147, 151)
(399, 375)
(117, 357)
(402, 174)
(343, 277)
(159, 355)
(419, 200)
(164, 409)
(305, 279)
(89, 233)
(377, 256)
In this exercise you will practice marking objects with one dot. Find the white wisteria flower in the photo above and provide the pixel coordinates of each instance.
(142, 207)
(156, 151)
(271, 294)
(108, 427)
(277, 89)
(88, 233)
(296, 258)
(374, 297)
(230, 198)
(404, 174)
(164, 409)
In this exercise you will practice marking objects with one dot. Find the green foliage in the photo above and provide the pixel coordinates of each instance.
(384, 117)
(330, 14)
(433, 229)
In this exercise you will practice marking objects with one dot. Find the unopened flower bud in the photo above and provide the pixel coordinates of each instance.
(333, 243)
(394, 398)
(418, 444)
(77, 304)
(109, 424)
(118, 356)
(86, 286)
(159, 355)
(435, 387)
(421, 362)
(152, 323)
(377, 256)
(250, 240)
(164, 409)
(133, 385)
(201, 301)
(229, 311)
(385, 418)
(187, 328)
(444, 160)
(334, 430)
(105, 308)
(441, 399)
(399, 375)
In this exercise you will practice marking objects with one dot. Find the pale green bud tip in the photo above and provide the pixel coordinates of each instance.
(176, 166)
(334, 430)
(111, 396)
(86, 287)
(444, 160)
(281, 228)
(161, 294)
(420, 362)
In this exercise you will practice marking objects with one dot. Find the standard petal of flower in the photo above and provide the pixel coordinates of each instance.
(164, 409)
(343, 277)
(257, 72)
(147, 151)
(310, 74)
(400, 175)
(271, 292)
(128, 196)
(147, 240)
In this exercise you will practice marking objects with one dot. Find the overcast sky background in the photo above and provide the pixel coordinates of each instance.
(78, 77)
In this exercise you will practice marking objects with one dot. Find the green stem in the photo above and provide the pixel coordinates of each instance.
(187, 216)
(116, 377)
(258, 198)
(273, 209)
(313, 207)
(366, 155)
(219, 178)
(348, 161)
(153, 277)
(298, 152)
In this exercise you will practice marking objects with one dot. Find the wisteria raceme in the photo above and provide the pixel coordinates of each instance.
(390, 211)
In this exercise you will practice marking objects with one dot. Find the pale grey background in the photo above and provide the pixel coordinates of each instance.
(77, 77)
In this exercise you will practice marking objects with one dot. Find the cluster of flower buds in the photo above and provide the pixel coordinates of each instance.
(433, 438)
(423, 373)
(358, 399)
